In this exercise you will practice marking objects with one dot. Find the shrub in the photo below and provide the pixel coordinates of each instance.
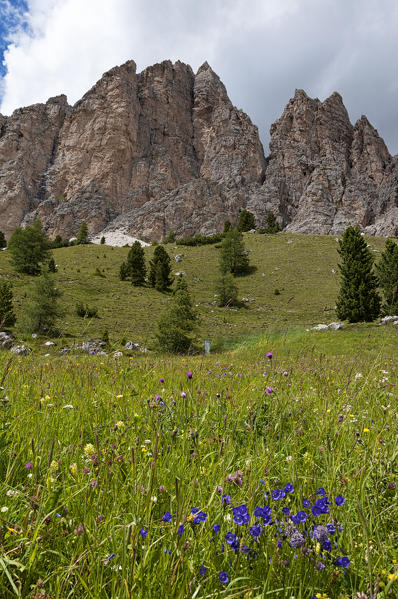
(246, 221)
(43, 309)
(200, 240)
(233, 257)
(7, 316)
(3, 242)
(86, 311)
(387, 275)
(227, 291)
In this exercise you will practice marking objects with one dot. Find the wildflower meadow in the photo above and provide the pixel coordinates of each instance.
(258, 473)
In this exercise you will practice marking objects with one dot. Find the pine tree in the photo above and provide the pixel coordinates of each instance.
(358, 299)
(3, 242)
(246, 221)
(102, 240)
(227, 291)
(175, 328)
(136, 264)
(387, 274)
(7, 316)
(43, 309)
(272, 225)
(52, 266)
(233, 257)
(28, 248)
(160, 269)
(227, 226)
(82, 236)
(124, 271)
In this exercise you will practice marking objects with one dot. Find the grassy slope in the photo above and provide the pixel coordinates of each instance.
(300, 266)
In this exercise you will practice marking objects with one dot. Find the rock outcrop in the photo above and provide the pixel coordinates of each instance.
(165, 149)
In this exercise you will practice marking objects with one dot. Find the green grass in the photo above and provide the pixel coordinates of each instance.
(330, 421)
(308, 290)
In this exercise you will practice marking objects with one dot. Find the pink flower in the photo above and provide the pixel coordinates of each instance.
(28, 465)
(189, 374)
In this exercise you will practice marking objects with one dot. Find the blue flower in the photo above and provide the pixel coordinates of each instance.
(112, 555)
(244, 549)
(223, 577)
(143, 533)
(306, 503)
(289, 488)
(344, 562)
(238, 519)
(286, 511)
(301, 516)
(202, 570)
(321, 491)
(339, 500)
(258, 512)
(316, 511)
(216, 527)
(230, 537)
(278, 494)
(167, 517)
(200, 517)
(255, 531)
(226, 499)
(331, 528)
(180, 530)
(194, 510)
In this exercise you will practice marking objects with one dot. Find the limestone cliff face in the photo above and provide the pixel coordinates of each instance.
(166, 150)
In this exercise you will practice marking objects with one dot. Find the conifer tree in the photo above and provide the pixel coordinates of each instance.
(136, 264)
(246, 221)
(7, 316)
(43, 309)
(28, 248)
(124, 271)
(3, 242)
(160, 269)
(233, 257)
(227, 226)
(82, 236)
(227, 291)
(387, 274)
(358, 299)
(175, 328)
(272, 225)
(52, 266)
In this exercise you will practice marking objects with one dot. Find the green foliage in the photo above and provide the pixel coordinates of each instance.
(227, 226)
(82, 236)
(3, 242)
(105, 337)
(84, 311)
(136, 269)
(102, 240)
(246, 221)
(58, 242)
(7, 316)
(175, 328)
(200, 240)
(28, 248)
(227, 291)
(277, 292)
(43, 308)
(170, 238)
(98, 273)
(272, 224)
(387, 275)
(123, 271)
(52, 266)
(160, 269)
(234, 257)
(358, 299)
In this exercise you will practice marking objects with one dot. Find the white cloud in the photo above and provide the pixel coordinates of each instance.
(262, 50)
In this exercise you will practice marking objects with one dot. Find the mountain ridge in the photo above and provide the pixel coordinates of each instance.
(165, 149)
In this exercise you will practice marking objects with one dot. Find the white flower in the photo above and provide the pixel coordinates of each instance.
(30, 475)
(11, 493)
(358, 375)
(289, 458)
(154, 498)
(67, 407)
(4, 509)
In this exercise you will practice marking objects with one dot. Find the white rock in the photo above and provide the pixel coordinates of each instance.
(335, 326)
(117, 239)
(320, 327)
(48, 343)
(117, 354)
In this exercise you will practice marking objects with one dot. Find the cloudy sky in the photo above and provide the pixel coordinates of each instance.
(261, 49)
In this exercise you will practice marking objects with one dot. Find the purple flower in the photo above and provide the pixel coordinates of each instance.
(161, 380)
(226, 499)
(219, 489)
(296, 540)
(344, 562)
(28, 465)
(223, 577)
(289, 488)
(189, 374)
(268, 390)
(167, 517)
(269, 355)
(339, 500)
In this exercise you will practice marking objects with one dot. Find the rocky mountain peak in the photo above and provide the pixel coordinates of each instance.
(165, 149)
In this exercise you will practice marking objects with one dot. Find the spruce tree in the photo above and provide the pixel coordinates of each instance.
(3, 242)
(136, 264)
(43, 309)
(233, 257)
(175, 328)
(358, 299)
(160, 269)
(227, 291)
(52, 266)
(227, 226)
(124, 271)
(82, 236)
(7, 316)
(28, 248)
(246, 221)
(387, 274)
(272, 225)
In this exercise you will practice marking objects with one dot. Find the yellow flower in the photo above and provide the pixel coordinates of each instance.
(318, 547)
(119, 424)
(143, 449)
(328, 411)
(190, 518)
(89, 449)
(366, 430)
(73, 469)
(392, 577)
(54, 466)
(119, 396)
